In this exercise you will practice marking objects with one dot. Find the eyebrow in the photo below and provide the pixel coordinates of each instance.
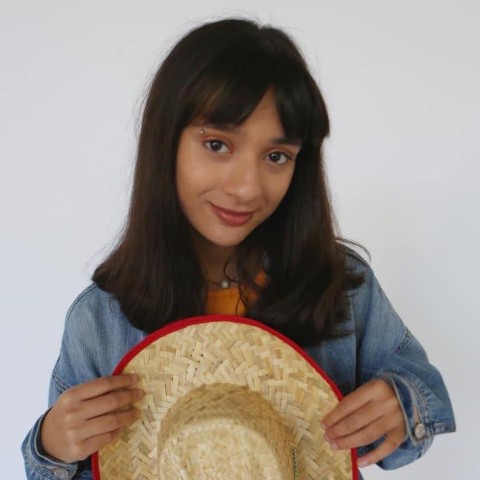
(227, 127)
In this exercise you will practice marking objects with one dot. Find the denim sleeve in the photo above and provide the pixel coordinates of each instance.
(387, 350)
(38, 465)
(74, 366)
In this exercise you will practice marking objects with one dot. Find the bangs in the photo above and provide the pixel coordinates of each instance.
(232, 84)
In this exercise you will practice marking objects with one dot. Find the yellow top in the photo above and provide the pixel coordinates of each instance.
(225, 301)
(228, 301)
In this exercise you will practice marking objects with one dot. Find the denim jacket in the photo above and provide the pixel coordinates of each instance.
(97, 335)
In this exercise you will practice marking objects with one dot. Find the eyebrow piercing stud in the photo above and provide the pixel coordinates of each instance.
(202, 131)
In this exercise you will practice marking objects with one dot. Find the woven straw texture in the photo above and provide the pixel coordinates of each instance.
(226, 400)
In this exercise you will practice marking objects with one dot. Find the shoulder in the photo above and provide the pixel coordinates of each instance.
(356, 263)
(370, 307)
(368, 294)
(94, 300)
(96, 335)
(95, 313)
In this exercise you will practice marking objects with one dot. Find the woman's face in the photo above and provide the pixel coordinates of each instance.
(230, 179)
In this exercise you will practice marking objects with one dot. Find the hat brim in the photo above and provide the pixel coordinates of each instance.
(212, 349)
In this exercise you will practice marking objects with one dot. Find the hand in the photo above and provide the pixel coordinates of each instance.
(365, 415)
(88, 416)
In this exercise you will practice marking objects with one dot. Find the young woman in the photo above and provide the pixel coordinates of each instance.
(230, 213)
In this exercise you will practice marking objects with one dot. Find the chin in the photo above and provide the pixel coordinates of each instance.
(227, 242)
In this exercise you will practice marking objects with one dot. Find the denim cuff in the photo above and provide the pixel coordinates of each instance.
(40, 466)
(420, 430)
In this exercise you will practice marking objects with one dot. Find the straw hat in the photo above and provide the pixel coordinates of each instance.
(225, 398)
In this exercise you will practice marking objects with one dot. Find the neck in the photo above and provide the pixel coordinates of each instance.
(218, 262)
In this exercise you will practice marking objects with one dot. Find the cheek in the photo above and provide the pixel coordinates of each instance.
(181, 184)
(193, 181)
(189, 174)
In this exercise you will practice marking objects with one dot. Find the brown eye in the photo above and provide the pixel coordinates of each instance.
(279, 158)
(216, 146)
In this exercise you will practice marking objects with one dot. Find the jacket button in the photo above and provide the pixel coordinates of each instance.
(61, 473)
(419, 431)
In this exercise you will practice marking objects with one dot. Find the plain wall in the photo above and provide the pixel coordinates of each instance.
(401, 82)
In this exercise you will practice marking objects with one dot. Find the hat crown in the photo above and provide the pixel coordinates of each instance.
(224, 431)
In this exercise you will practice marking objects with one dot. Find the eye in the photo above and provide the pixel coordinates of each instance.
(279, 158)
(216, 146)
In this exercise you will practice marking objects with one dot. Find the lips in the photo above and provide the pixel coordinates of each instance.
(231, 217)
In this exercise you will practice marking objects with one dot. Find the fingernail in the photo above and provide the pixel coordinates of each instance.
(362, 463)
(333, 445)
(139, 394)
(134, 378)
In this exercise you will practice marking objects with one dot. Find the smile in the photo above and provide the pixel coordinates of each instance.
(231, 218)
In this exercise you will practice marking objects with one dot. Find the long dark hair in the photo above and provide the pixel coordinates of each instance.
(219, 72)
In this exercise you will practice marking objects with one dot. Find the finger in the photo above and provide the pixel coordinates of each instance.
(110, 402)
(391, 442)
(93, 444)
(106, 423)
(374, 390)
(364, 436)
(102, 385)
(351, 402)
(358, 420)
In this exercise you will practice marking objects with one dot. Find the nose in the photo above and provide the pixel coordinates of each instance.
(243, 180)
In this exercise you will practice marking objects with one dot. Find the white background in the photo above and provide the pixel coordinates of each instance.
(401, 79)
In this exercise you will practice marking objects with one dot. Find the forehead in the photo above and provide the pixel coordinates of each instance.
(264, 120)
(240, 130)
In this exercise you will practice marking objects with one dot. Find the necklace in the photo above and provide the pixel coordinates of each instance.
(223, 284)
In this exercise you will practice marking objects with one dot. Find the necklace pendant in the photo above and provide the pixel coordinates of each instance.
(225, 284)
